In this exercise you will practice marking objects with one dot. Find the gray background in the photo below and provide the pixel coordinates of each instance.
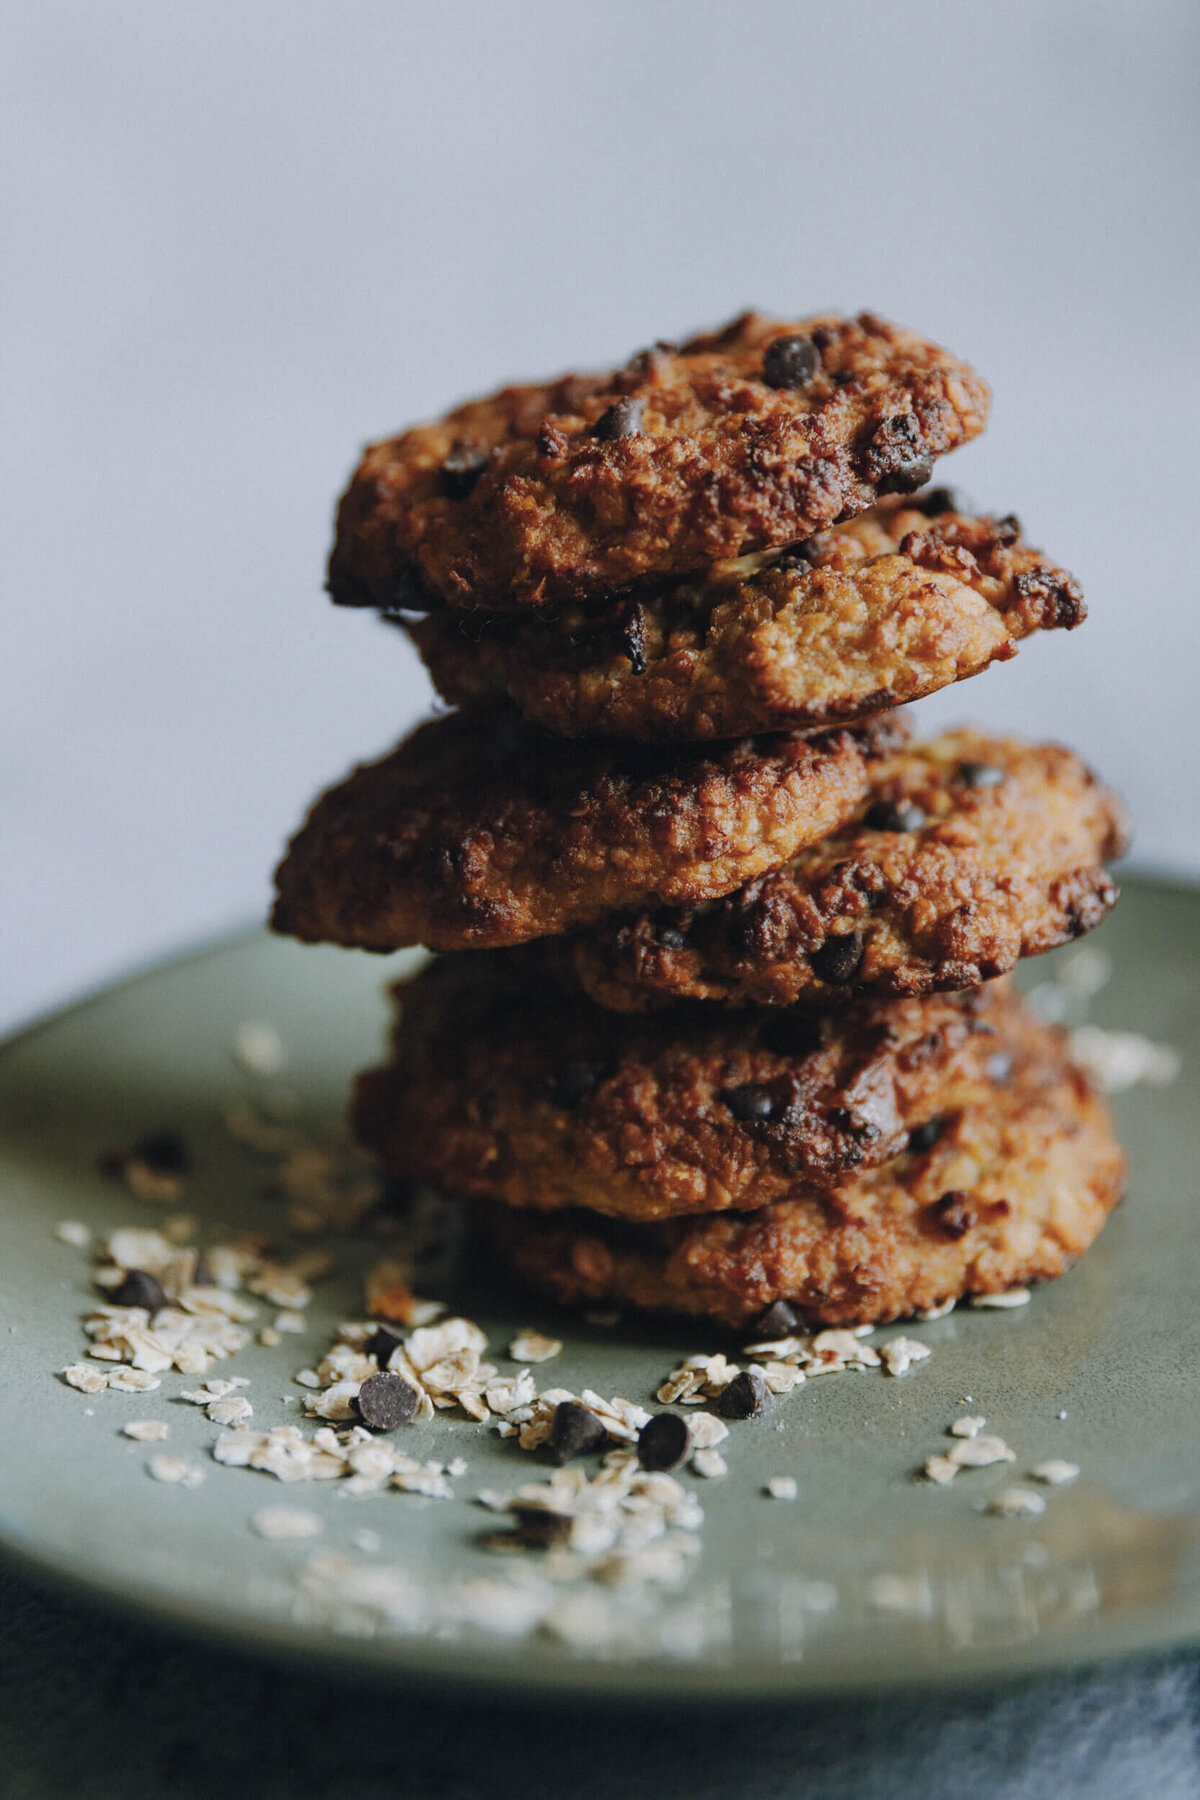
(240, 238)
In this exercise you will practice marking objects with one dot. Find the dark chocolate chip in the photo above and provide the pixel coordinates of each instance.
(400, 594)
(894, 815)
(397, 1193)
(839, 959)
(575, 1431)
(790, 362)
(940, 500)
(663, 1441)
(999, 1067)
(538, 1525)
(794, 562)
(746, 1397)
(382, 1341)
(906, 477)
(385, 1401)
(622, 419)
(633, 637)
(202, 1275)
(671, 938)
(924, 1137)
(574, 1080)
(954, 1213)
(980, 775)
(779, 1321)
(791, 1032)
(460, 471)
(139, 1288)
(753, 1101)
(163, 1151)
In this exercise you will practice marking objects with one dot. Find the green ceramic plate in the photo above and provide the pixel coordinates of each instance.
(869, 1578)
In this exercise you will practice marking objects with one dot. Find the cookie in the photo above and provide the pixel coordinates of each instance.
(970, 853)
(898, 602)
(1005, 1189)
(500, 1088)
(478, 831)
(756, 435)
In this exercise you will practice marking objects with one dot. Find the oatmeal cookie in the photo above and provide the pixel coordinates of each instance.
(1005, 1188)
(756, 435)
(898, 602)
(479, 831)
(970, 853)
(499, 1088)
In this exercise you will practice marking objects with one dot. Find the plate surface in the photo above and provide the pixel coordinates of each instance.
(870, 1578)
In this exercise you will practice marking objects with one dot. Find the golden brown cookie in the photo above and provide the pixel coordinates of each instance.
(1007, 1188)
(896, 603)
(971, 852)
(500, 1088)
(756, 435)
(479, 831)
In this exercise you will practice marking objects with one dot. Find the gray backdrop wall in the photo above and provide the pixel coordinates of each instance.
(239, 239)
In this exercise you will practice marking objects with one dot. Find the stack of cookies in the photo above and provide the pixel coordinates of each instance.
(722, 1024)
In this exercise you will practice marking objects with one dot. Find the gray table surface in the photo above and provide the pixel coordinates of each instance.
(92, 1708)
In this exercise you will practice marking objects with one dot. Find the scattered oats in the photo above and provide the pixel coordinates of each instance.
(87, 1379)
(532, 1347)
(146, 1431)
(493, 1499)
(847, 1346)
(1018, 1502)
(899, 1354)
(1054, 1471)
(941, 1469)
(1117, 1060)
(782, 1487)
(369, 1542)
(269, 1337)
(291, 1321)
(433, 1485)
(134, 1248)
(258, 1048)
(124, 1380)
(1061, 1415)
(178, 1470)
(337, 1402)
(181, 1228)
(1018, 1296)
(70, 1231)
(456, 1467)
(777, 1348)
(584, 1620)
(709, 1463)
(900, 1593)
(287, 1522)
(233, 1411)
(509, 1394)
(966, 1427)
(147, 1183)
(980, 1452)
(307, 1378)
(706, 1430)
(937, 1312)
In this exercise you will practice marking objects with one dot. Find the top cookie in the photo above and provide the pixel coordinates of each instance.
(757, 435)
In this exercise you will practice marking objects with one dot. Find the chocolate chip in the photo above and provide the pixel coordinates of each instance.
(163, 1151)
(460, 471)
(746, 1397)
(839, 958)
(663, 1441)
(924, 1137)
(790, 362)
(779, 1321)
(575, 1431)
(671, 938)
(633, 637)
(382, 1341)
(980, 775)
(397, 1194)
(385, 1401)
(574, 1080)
(940, 500)
(538, 1525)
(622, 419)
(894, 815)
(999, 1067)
(202, 1275)
(794, 562)
(906, 477)
(139, 1288)
(954, 1213)
(752, 1101)
(791, 1032)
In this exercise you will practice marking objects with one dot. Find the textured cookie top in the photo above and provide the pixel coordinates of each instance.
(756, 435)
(478, 831)
(970, 852)
(1008, 1186)
(896, 603)
(503, 1089)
